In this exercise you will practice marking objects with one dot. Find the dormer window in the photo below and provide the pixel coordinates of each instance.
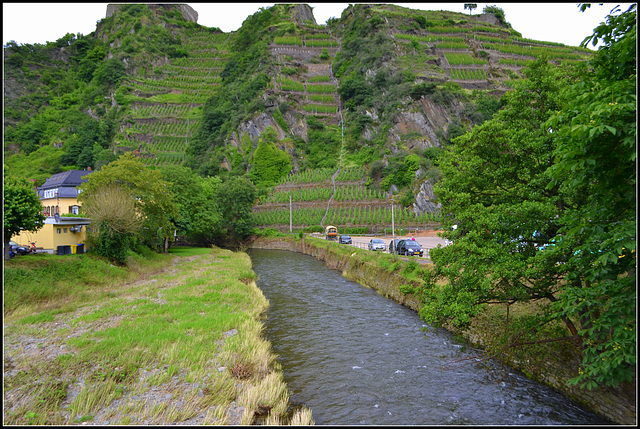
(50, 193)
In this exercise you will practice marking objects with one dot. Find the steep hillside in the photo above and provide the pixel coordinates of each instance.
(166, 105)
(380, 90)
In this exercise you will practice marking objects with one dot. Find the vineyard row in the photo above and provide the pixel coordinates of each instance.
(342, 216)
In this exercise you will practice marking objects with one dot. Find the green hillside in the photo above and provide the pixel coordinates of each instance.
(380, 90)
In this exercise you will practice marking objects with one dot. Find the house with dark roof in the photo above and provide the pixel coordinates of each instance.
(64, 231)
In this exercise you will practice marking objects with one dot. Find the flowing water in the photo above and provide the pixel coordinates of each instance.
(356, 358)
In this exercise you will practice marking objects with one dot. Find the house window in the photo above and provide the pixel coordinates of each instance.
(65, 230)
(59, 230)
(51, 193)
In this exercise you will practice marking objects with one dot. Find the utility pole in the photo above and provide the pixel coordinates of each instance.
(393, 228)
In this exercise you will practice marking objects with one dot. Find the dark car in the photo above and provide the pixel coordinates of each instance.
(344, 239)
(393, 244)
(17, 249)
(409, 248)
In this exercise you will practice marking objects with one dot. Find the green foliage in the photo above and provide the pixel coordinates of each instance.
(109, 73)
(236, 197)
(493, 187)
(355, 91)
(22, 209)
(269, 163)
(557, 164)
(147, 191)
(277, 115)
(400, 171)
(323, 145)
(595, 169)
(112, 246)
(199, 214)
(498, 12)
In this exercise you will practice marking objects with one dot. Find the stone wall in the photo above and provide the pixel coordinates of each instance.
(617, 405)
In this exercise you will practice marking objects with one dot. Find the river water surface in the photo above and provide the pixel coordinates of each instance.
(356, 358)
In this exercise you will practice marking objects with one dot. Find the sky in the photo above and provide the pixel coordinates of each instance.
(47, 22)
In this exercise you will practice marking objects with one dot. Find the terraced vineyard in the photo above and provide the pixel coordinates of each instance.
(353, 205)
(473, 53)
(166, 108)
(310, 84)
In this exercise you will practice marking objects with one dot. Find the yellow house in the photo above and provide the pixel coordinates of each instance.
(60, 234)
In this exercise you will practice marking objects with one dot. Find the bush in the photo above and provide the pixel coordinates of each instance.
(313, 228)
(417, 91)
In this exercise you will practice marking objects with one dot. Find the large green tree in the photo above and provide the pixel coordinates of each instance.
(269, 164)
(494, 189)
(235, 198)
(594, 170)
(22, 209)
(152, 201)
(199, 213)
(556, 167)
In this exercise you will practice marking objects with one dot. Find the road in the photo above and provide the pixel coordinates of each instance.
(427, 242)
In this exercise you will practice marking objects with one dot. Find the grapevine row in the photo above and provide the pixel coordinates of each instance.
(343, 194)
(342, 216)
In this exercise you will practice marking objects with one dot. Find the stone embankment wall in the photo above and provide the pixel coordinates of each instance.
(616, 405)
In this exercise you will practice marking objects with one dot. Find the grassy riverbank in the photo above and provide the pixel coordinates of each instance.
(168, 339)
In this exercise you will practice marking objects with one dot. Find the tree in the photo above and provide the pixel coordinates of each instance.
(595, 169)
(498, 12)
(470, 6)
(150, 194)
(22, 209)
(269, 163)
(236, 197)
(199, 216)
(493, 188)
(113, 214)
(555, 166)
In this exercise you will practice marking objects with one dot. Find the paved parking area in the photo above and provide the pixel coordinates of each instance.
(427, 243)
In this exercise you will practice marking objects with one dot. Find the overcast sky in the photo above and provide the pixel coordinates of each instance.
(47, 22)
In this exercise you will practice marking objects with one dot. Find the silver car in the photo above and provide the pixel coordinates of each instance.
(377, 244)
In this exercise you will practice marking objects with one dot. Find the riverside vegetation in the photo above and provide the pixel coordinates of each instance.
(166, 339)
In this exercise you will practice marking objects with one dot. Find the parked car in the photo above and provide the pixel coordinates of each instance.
(377, 244)
(17, 249)
(409, 248)
(344, 239)
(393, 244)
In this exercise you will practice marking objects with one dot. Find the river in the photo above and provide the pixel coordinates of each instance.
(356, 358)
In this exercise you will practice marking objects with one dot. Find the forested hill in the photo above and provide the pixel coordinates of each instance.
(151, 80)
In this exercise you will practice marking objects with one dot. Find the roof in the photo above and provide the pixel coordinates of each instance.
(71, 178)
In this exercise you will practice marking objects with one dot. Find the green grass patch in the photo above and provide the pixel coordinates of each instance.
(180, 324)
